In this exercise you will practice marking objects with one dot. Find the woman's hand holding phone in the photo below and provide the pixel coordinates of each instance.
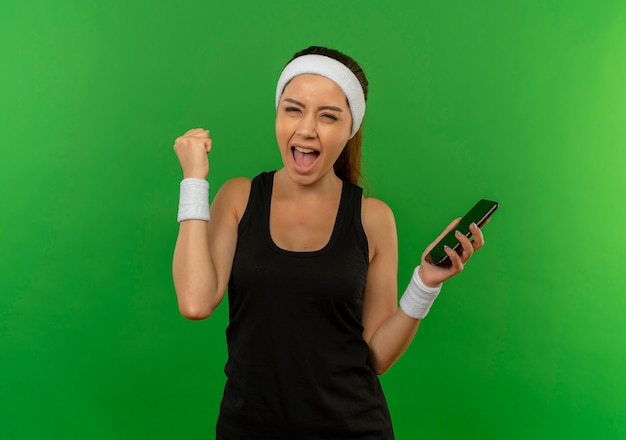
(446, 257)
(433, 275)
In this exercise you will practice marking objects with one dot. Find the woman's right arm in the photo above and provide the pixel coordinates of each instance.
(204, 251)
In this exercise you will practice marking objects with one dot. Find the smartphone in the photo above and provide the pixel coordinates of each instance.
(479, 215)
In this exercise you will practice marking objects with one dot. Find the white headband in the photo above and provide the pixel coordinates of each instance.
(334, 70)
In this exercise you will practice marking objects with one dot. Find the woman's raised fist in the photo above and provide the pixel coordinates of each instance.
(192, 149)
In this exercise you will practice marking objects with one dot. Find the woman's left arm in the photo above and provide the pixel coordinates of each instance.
(388, 330)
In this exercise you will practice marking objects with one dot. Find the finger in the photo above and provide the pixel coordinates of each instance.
(466, 245)
(479, 239)
(457, 262)
(194, 131)
(196, 135)
(178, 142)
(451, 226)
(438, 239)
(448, 229)
(187, 145)
(201, 136)
(201, 133)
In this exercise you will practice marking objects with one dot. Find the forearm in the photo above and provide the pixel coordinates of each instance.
(195, 277)
(395, 334)
(391, 340)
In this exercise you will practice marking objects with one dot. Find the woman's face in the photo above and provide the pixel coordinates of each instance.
(313, 124)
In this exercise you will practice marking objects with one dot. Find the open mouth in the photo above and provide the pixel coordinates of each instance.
(304, 158)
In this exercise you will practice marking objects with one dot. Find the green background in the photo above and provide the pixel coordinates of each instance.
(521, 102)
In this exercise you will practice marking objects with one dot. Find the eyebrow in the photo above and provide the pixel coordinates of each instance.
(323, 107)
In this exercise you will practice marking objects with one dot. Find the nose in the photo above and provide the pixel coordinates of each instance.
(306, 127)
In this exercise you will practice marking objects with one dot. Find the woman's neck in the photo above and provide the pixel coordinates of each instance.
(285, 187)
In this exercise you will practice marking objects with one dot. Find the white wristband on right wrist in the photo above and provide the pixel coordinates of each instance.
(418, 297)
(194, 200)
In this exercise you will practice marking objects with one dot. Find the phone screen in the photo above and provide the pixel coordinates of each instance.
(478, 214)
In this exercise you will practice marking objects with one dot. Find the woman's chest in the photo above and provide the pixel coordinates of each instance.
(301, 228)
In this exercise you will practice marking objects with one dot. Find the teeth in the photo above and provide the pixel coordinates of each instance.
(304, 150)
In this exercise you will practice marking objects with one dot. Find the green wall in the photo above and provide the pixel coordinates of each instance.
(522, 102)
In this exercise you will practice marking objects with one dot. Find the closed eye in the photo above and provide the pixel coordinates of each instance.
(330, 116)
(292, 109)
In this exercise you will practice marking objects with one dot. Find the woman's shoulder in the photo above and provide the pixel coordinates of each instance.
(237, 190)
(237, 184)
(375, 209)
(233, 195)
(379, 225)
(236, 187)
(377, 217)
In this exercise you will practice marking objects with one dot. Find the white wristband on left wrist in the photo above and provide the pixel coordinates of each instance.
(418, 297)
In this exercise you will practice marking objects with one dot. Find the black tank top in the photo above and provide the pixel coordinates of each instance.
(297, 364)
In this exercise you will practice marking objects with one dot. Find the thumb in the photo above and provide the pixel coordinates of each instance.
(443, 234)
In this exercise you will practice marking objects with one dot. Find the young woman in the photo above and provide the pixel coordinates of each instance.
(310, 267)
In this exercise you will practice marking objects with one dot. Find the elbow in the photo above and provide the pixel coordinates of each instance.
(381, 369)
(195, 314)
(195, 310)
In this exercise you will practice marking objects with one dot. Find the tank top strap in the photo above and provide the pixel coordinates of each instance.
(356, 195)
(258, 201)
(351, 217)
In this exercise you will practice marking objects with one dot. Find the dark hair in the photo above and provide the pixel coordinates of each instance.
(348, 164)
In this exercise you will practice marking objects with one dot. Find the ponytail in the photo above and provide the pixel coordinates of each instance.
(348, 164)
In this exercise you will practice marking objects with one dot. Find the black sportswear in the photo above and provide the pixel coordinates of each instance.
(297, 365)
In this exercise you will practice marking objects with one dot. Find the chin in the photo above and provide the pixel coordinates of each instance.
(300, 178)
